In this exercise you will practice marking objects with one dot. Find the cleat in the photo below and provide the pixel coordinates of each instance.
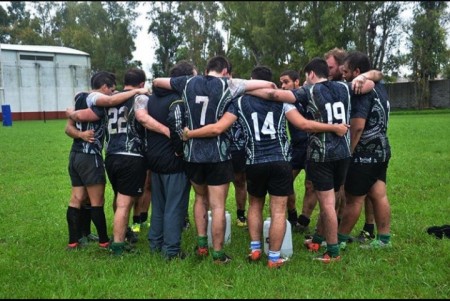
(326, 258)
(254, 256)
(225, 259)
(311, 246)
(83, 241)
(136, 228)
(364, 237)
(376, 244)
(130, 236)
(276, 264)
(73, 246)
(120, 249)
(299, 228)
(92, 237)
(201, 251)
(104, 245)
(342, 245)
(241, 221)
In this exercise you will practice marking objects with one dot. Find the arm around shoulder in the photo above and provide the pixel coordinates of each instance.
(162, 82)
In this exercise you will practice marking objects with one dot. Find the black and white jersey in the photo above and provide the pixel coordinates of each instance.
(79, 145)
(124, 134)
(327, 102)
(264, 125)
(373, 145)
(206, 99)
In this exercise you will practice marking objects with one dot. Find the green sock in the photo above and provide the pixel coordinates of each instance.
(117, 248)
(333, 250)
(202, 241)
(218, 254)
(385, 238)
(317, 239)
(342, 237)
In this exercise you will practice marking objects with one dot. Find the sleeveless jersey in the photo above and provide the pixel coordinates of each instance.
(327, 102)
(206, 98)
(373, 145)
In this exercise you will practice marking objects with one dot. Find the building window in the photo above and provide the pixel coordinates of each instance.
(28, 57)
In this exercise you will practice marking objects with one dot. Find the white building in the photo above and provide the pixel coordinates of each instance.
(40, 82)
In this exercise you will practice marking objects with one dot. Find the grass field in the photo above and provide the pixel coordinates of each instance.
(35, 191)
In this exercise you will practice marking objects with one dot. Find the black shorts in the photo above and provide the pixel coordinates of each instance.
(213, 174)
(86, 169)
(361, 177)
(127, 174)
(298, 158)
(274, 178)
(327, 175)
(238, 159)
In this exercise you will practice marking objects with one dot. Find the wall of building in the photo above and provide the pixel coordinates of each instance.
(40, 85)
(405, 95)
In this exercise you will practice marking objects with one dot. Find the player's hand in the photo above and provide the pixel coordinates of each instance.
(341, 129)
(358, 83)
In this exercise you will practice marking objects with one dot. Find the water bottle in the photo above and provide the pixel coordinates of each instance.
(286, 246)
(227, 238)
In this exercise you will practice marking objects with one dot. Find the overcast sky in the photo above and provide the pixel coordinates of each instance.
(145, 46)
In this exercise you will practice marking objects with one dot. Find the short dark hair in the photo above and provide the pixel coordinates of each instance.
(103, 78)
(293, 75)
(319, 66)
(217, 64)
(134, 77)
(262, 72)
(357, 60)
(181, 68)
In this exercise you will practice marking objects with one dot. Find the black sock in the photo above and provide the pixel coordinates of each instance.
(73, 221)
(292, 215)
(369, 228)
(240, 212)
(144, 217)
(303, 220)
(98, 217)
(85, 220)
(136, 219)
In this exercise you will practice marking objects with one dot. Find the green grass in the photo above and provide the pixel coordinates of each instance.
(35, 190)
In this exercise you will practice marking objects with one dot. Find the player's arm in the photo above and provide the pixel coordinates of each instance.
(373, 75)
(356, 128)
(85, 115)
(254, 84)
(150, 123)
(274, 94)
(103, 100)
(72, 131)
(310, 126)
(162, 82)
(362, 87)
(212, 129)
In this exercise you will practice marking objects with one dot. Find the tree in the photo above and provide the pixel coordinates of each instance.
(23, 29)
(429, 53)
(165, 26)
(201, 38)
(259, 34)
(4, 26)
(105, 30)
